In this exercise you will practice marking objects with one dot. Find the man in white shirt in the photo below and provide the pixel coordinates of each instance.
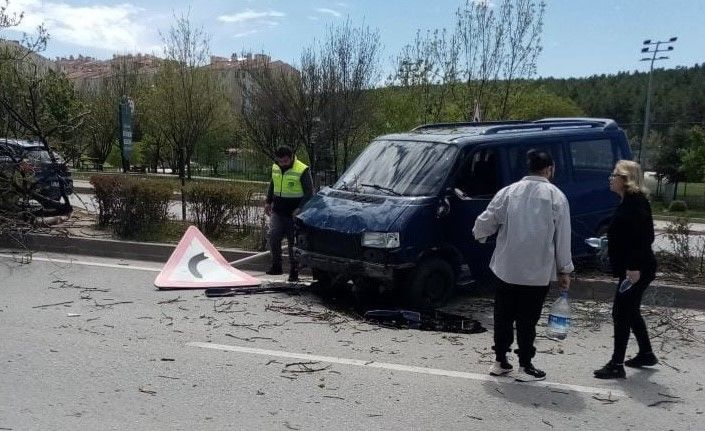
(533, 249)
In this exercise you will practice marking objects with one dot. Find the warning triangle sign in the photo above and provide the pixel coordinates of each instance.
(196, 264)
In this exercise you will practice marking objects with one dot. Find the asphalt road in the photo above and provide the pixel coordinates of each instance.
(114, 353)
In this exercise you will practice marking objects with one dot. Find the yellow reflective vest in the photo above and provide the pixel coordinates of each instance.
(288, 184)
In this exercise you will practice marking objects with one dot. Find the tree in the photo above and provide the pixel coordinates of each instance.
(348, 65)
(36, 101)
(186, 90)
(667, 161)
(101, 128)
(490, 48)
(270, 107)
(324, 106)
(693, 156)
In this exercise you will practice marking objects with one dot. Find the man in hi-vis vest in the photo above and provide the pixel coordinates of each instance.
(291, 187)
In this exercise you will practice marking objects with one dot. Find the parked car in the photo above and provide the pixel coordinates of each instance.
(34, 160)
(402, 214)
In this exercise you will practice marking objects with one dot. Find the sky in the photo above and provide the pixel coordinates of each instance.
(580, 37)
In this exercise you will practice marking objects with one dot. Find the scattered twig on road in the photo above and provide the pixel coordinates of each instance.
(334, 397)
(325, 316)
(148, 391)
(170, 377)
(477, 418)
(52, 305)
(608, 400)
(499, 390)
(251, 339)
(547, 422)
(455, 340)
(110, 304)
(303, 367)
(168, 359)
(556, 391)
(226, 307)
(244, 325)
(659, 402)
(670, 366)
(668, 396)
(272, 361)
(291, 427)
(171, 301)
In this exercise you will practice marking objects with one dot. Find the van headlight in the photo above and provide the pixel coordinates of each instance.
(380, 239)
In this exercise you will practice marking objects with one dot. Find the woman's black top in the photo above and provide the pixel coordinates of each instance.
(630, 236)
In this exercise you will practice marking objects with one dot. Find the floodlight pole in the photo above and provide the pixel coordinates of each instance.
(647, 110)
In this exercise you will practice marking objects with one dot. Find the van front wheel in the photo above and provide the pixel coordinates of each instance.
(432, 284)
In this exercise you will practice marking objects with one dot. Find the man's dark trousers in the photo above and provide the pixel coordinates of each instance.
(520, 304)
(281, 226)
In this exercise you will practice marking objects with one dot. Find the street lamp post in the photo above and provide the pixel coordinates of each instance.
(656, 45)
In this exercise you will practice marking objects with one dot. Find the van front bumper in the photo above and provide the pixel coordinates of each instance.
(350, 267)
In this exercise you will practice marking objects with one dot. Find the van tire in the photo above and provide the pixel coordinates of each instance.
(431, 284)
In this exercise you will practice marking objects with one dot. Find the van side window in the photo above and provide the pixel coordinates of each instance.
(480, 175)
(517, 159)
(591, 158)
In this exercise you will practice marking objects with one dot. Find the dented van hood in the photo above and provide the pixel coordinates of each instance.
(355, 213)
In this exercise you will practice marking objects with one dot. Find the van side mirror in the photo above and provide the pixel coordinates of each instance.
(443, 207)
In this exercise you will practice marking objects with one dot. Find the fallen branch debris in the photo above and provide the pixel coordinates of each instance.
(52, 305)
(303, 367)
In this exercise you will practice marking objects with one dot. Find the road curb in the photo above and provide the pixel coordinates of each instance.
(603, 289)
(583, 288)
(98, 247)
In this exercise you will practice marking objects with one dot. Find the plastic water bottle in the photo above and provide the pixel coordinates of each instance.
(597, 243)
(559, 318)
(625, 285)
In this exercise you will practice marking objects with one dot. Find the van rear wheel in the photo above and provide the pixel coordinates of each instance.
(432, 284)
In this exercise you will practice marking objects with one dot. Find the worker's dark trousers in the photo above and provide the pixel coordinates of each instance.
(626, 314)
(280, 227)
(520, 304)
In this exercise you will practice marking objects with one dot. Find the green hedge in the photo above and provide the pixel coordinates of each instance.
(678, 206)
(217, 207)
(105, 188)
(132, 206)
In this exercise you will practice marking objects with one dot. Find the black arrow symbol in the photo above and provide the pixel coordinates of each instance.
(193, 264)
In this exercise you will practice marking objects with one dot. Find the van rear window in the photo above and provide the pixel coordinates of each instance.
(592, 157)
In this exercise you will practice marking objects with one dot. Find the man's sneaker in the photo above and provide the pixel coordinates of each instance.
(611, 371)
(293, 276)
(275, 270)
(529, 373)
(642, 360)
(500, 368)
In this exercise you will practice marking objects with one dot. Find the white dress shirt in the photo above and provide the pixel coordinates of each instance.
(533, 244)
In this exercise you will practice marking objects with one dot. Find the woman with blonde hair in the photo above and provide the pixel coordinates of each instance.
(630, 236)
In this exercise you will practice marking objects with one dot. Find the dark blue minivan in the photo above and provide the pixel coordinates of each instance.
(402, 215)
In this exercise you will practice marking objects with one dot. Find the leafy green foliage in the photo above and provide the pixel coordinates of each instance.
(678, 206)
(132, 206)
(215, 207)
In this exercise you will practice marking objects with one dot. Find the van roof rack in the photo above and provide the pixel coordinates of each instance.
(493, 127)
(554, 123)
(433, 126)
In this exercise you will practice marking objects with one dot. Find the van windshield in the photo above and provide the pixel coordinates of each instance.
(400, 168)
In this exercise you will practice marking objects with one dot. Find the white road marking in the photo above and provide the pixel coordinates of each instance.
(87, 263)
(407, 368)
